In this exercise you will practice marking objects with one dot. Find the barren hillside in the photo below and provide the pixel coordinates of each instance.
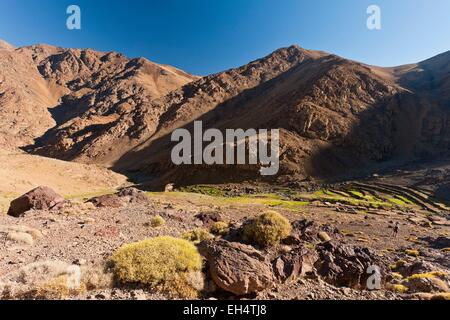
(337, 117)
(42, 87)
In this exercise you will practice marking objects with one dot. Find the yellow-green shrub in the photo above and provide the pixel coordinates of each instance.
(157, 262)
(220, 228)
(57, 289)
(398, 264)
(188, 285)
(197, 236)
(428, 275)
(267, 229)
(157, 221)
(396, 275)
(399, 288)
(412, 252)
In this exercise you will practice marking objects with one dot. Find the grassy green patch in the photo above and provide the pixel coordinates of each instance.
(203, 189)
(357, 194)
(273, 196)
(89, 195)
(400, 200)
(270, 202)
(358, 198)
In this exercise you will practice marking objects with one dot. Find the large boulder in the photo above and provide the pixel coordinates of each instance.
(309, 231)
(348, 266)
(237, 268)
(41, 198)
(107, 201)
(120, 199)
(294, 264)
(209, 218)
(133, 195)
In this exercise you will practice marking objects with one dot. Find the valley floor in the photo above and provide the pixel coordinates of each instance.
(84, 235)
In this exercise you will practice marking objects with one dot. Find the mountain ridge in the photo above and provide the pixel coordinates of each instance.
(335, 115)
(38, 81)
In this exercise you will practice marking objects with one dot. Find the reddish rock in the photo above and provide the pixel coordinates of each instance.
(295, 263)
(120, 199)
(41, 198)
(208, 219)
(107, 201)
(133, 195)
(309, 231)
(237, 268)
(347, 266)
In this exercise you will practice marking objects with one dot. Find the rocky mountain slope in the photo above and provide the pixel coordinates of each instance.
(42, 87)
(336, 116)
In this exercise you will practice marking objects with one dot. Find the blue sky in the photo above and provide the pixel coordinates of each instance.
(207, 36)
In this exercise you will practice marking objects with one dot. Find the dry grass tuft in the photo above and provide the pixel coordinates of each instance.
(267, 230)
(162, 262)
(157, 222)
(197, 236)
(54, 280)
(220, 228)
(412, 252)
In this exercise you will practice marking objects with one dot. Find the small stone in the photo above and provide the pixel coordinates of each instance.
(427, 224)
(89, 220)
(100, 296)
(285, 249)
(346, 291)
(324, 236)
(80, 262)
(272, 295)
(169, 187)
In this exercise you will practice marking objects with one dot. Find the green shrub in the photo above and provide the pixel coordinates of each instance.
(197, 236)
(267, 230)
(399, 264)
(220, 228)
(399, 288)
(157, 221)
(163, 262)
(429, 275)
(412, 252)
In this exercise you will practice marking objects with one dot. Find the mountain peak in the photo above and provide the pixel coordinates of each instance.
(296, 50)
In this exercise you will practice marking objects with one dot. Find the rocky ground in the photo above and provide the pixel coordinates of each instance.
(335, 237)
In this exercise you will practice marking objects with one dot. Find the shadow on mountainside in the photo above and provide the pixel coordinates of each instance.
(389, 133)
